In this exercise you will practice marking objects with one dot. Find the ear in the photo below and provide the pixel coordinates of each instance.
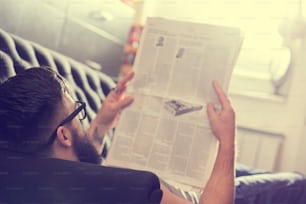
(64, 136)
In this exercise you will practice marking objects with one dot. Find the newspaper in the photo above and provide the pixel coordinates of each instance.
(166, 129)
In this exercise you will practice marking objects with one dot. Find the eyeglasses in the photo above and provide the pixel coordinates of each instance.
(79, 112)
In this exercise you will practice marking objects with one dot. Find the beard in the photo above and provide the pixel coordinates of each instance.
(85, 150)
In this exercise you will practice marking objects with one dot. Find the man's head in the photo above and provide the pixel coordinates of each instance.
(34, 106)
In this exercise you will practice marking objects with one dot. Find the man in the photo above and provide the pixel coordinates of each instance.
(38, 117)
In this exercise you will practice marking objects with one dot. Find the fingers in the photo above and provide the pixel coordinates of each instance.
(211, 111)
(122, 104)
(126, 102)
(120, 90)
(122, 84)
(225, 103)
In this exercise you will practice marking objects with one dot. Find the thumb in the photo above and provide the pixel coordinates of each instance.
(211, 111)
(125, 102)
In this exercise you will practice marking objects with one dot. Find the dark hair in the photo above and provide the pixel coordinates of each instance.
(28, 105)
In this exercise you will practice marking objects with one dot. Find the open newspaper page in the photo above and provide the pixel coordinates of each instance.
(166, 129)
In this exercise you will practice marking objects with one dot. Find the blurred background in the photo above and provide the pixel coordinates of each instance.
(268, 85)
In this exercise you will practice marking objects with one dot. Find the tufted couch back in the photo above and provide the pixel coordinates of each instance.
(88, 85)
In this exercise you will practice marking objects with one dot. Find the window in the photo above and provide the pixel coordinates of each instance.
(264, 59)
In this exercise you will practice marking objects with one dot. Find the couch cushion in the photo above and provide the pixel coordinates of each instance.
(40, 180)
(283, 187)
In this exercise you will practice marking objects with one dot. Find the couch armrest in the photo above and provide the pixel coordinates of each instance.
(39, 180)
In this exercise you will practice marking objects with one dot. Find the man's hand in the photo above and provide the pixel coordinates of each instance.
(220, 188)
(222, 122)
(115, 102)
(108, 114)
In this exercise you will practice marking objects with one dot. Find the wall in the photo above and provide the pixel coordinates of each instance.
(93, 32)
(286, 117)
